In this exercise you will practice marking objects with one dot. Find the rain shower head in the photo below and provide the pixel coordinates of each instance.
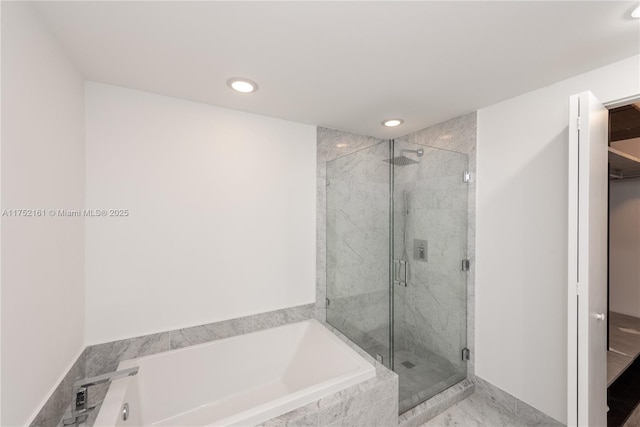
(403, 160)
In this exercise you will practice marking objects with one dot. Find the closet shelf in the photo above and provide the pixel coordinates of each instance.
(623, 165)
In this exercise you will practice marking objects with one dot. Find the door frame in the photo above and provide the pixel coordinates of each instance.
(572, 326)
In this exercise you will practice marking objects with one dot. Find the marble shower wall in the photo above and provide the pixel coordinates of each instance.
(421, 318)
(431, 314)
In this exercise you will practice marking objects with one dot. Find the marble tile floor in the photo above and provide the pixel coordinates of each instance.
(624, 344)
(478, 410)
(420, 377)
(427, 377)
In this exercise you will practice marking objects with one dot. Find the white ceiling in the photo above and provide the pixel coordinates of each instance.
(344, 65)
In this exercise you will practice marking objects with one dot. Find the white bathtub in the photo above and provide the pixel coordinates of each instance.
(238, 381)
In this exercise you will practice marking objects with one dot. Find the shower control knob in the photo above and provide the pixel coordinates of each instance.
(600, 316)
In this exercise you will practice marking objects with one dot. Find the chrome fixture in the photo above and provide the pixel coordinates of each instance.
(419, 152)
(403, 160)
(400, 272)
(125, 412)
(81, 394)
(466, 354)
(420, 250)
(407, 364)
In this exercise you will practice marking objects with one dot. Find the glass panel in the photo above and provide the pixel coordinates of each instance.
(394, 280)
(358, 233)
(430, 242)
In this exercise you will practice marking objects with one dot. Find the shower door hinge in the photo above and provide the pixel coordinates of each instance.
(466, 176)
(465, 264)
(578, 122)
(466, 354)
(328, 302)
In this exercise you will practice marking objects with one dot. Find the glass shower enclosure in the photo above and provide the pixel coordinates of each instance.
(396, 245)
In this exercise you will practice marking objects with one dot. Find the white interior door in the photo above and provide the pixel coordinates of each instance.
(587, 337)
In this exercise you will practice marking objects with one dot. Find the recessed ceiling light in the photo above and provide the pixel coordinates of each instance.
(392, 122)
(341, 145)
(636, 13)
(242, 85)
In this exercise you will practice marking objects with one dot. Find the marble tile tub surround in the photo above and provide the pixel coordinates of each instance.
(105, 357)
(373, 403)
(102, 358)
(55, 407)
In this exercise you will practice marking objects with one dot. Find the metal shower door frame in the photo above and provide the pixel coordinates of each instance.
(391, 257)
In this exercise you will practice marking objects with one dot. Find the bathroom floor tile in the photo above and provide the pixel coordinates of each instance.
(418, 382)
(478, 410)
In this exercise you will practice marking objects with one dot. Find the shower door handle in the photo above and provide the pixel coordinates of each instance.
(397, 265)
(406, 272)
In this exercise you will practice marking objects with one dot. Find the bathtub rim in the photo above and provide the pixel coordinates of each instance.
(365, 370)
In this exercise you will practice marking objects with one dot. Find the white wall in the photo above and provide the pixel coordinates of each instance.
(521, 298)
(624, 245)
(42, 258)
(222, 213)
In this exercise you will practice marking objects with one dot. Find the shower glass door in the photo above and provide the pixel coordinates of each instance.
(430, 286)
(358, 250)
(396, 239)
